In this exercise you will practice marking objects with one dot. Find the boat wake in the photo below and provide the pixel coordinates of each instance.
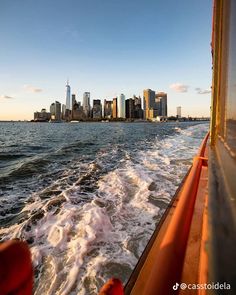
(94, 220)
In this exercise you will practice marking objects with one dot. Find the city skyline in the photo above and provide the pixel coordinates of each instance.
(151, 107)
(150, 47)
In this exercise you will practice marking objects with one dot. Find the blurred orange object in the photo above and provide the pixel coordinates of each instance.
(16, 271)
(112, 287)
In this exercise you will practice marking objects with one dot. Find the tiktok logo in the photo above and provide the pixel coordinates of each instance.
(175, 287)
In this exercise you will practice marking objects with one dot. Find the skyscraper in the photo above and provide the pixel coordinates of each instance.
(138, 112)
(121, 106)
(63, 111)
(150, 105)
(161, 100)
(55, 110)
(108, 108)
(129, 108)
(114, 108)
(179, 112)
(52, 109)
(86, 104)
(73, 100)
(77, 112)
(68, 102)
(97, 109)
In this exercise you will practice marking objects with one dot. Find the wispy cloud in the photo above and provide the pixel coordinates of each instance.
(3, 97)
(72, 33)
(179, 87)
(202, 91)
(32, 89)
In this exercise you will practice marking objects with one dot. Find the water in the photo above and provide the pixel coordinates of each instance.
(88, 196)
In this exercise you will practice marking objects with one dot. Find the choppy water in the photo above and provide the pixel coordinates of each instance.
(87, 196)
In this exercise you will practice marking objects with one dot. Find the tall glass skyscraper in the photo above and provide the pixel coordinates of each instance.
(68, 100)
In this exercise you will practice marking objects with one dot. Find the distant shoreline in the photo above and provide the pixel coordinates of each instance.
(111, 121)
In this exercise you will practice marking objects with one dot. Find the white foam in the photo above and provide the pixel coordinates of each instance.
(76, 240)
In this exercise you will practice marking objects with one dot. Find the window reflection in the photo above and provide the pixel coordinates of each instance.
(231, 83)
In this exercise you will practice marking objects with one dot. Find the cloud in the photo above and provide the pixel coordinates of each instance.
(71, 33)
(179, 87)
(32, 89)
(202, 91)
(2, 97)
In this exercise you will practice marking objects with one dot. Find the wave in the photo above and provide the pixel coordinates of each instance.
(26, 168)
(6, 157)
(95, 219)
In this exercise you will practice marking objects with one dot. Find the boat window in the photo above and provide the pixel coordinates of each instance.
(231, 79)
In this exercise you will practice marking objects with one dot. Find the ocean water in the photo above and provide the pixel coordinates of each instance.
(87, 196)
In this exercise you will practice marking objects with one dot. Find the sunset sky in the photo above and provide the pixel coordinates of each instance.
(106, 47)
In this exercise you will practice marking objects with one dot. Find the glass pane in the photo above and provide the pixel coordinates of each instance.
(231, 87)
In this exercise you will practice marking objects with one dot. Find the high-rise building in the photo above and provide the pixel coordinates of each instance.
(73, 100)
(55, 110)
(63, 112)
(77, 112)
(86, 104)
(137, 101)
(52, 109)
(121, 106)
(149, 98)
(114, 108)
(150, 105)
(129, 108)
(138, 112)
(97, 109)
(68, 98)
(161, 100)
(108, 108)
(178, 112)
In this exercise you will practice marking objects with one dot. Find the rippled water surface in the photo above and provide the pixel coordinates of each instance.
(87, 196)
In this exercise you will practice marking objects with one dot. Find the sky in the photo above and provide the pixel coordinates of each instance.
(106, 47)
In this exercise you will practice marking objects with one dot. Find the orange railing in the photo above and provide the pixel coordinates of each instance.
(168, 264)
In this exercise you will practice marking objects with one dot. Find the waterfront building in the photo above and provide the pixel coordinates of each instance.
(149, 98)
(138, 112)
(55, 110)
(114, 108)
(178, 112)
(161, 100)
(52, 109)
(86, 104)
(77, 112)
(63, 112)
(129, 108)
(108, 109)
(73, 97)
(68, 98)
(158, 105)
(68, 115)
(97, 109)
(150, 105)
(42, 116)
(121, 106)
